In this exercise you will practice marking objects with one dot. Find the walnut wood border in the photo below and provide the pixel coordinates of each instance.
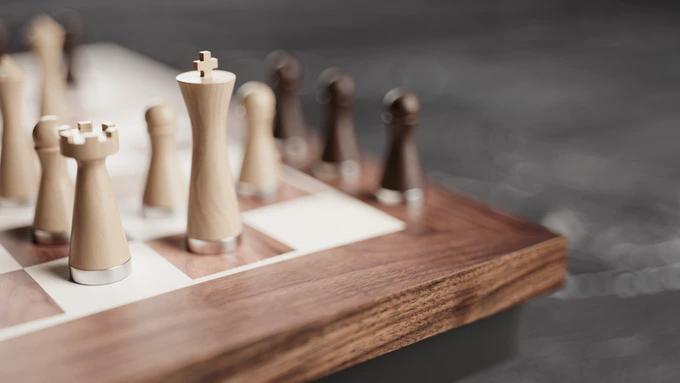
(457, 262)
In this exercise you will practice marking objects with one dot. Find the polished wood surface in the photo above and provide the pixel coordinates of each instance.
(457, 261)
(22, 300)
(254, 247)
(19, 242)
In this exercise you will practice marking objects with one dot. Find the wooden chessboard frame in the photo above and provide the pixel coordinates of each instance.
(456, 261)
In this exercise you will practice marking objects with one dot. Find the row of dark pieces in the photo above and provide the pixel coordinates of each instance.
(402, 178)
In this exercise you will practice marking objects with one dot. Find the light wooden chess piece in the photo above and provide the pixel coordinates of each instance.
(99, 251)
(261, 169)
(165, 192)
(46, 37)
(213, 224)
(18, 170)
(54, 207)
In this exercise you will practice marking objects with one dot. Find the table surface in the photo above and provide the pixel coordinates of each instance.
(563, 112)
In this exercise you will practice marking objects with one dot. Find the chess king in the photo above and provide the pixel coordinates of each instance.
(213, 223)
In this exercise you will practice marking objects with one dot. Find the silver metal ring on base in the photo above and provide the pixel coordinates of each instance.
(249, 190)
(15, 203)
(158, 212)
(294, 149)
(226, 245)
(42, 237)
(349, 170)
(394, 197)
(101, 277)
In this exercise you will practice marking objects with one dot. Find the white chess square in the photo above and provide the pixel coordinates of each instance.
(321, 221)
(12, 217)
(151, 275)
(7, 263)
(139, 227)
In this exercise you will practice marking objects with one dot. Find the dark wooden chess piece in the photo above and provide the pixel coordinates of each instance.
(73, 25)
(290, 127)
(402, 180)
(4, 38)
(341, 152)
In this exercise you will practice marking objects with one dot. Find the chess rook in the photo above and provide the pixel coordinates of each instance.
(99, 252)
(402, 180)
(261, 169)
(213, 223)
(165, 192)
(18, 170)
(290, 127)
(54, 207)
(341, 152)
(46, 38)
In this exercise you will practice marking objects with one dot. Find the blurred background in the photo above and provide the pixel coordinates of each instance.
(563, 112)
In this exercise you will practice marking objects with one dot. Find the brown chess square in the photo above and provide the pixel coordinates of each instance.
(23, 300)
(19, 243)
(255, 246)
(285, 192)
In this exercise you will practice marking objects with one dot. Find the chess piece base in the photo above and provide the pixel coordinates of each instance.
(226, 245)
(42, 237)
(394, 197)
(101, 277)
(349, 170)
(294, 150)
(154, 212)
(16, 202)
(249, 190)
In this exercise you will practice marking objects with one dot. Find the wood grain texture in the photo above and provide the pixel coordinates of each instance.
(294, 321)
(22, 300)
(19, 243)
(213, 208)
(54, 206)
(19, 177)
(98, 240)
(255, 246)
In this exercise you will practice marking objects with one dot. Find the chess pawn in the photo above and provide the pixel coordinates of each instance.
(46, 38)
(165, 192)
(402, 180)
(261, 169)
(213, 223)
(290, 127)
(99, 252)
(341, 153)
(72, 22)
(18, 170)
(54, 207)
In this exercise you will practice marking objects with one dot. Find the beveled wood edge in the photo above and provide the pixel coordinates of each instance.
(303, 359)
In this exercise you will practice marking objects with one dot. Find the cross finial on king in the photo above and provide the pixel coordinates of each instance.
(205, 64)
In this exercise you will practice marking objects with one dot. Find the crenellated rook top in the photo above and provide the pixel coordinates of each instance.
(88, 142)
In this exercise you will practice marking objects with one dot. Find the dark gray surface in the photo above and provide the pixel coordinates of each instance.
(441, 358)
(561, 111)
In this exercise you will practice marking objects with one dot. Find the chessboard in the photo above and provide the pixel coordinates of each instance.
(326, 277)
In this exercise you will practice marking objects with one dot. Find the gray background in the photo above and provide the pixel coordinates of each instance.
(564, 112)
